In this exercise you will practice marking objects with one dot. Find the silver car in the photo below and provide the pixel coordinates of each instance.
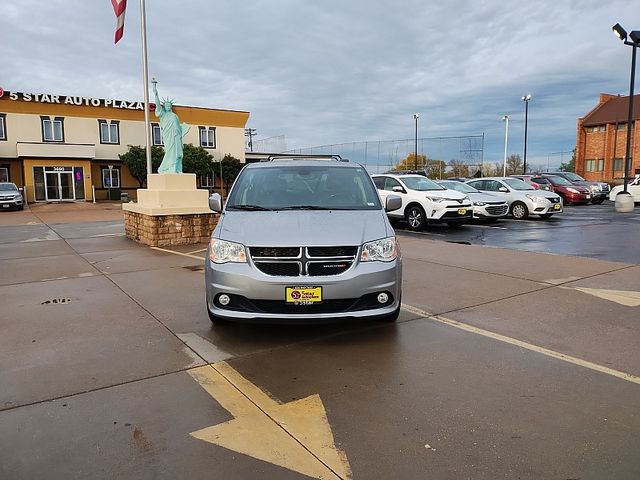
(523, 199)
(301, 240)
(10, 196)
(485, 206)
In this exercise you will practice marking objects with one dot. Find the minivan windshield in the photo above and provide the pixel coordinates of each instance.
(421, 184)
(517, 184)
(303, 187)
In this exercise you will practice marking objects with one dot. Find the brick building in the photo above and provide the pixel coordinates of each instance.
(602, 137)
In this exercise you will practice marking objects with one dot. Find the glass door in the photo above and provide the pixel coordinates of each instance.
(66, 185)
(59, 184)
(52, 185)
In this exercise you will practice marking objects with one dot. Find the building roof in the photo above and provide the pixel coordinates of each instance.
(613, 110)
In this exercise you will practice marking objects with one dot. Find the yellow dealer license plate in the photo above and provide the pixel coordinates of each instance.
(303, 295)
(556, 206)
(462, 211)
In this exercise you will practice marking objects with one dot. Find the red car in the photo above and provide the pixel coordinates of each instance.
(570, 193)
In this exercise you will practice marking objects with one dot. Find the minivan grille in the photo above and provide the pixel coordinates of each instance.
(303, 261)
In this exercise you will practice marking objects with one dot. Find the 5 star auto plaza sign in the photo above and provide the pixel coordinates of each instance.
(70, 100)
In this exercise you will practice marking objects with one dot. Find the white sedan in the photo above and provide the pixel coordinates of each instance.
(633, 188)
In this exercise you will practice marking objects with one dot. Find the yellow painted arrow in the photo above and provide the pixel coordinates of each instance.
(628, 298)
(295, 435)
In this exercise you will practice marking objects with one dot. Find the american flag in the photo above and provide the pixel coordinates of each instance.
(119, 7)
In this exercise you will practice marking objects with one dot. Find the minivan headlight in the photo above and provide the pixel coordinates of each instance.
(221, 251)
(383, 250)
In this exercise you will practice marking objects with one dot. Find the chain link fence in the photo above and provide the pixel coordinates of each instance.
(462, 156)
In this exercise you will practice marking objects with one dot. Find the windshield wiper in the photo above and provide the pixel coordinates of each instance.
(307, 207)
(249, 207)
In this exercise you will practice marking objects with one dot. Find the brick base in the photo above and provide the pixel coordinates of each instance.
(169, 230)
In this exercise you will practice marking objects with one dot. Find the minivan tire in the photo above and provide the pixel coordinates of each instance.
(415, 217)
(519, 211)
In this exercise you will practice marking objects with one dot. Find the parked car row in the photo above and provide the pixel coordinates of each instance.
(453, 202)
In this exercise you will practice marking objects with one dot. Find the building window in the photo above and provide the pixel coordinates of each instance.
(110, 178)
(52, 130)
(589, 165)
(156, 134)
(621, 126)
(596, 129)
(207, 137)
(109, 131)
(206, 181)
(600, 163)
(4, 174)
(3, 126)
(617, 164)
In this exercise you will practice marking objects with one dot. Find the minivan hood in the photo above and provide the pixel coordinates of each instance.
(291, 228)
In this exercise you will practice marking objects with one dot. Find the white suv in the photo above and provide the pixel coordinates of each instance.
(424, 201)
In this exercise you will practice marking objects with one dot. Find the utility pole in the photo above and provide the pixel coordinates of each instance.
(250, 132)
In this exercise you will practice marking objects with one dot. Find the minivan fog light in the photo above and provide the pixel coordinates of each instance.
(383, 297)
(224, 300)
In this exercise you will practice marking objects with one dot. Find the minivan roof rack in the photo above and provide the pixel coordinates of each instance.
(301, 156)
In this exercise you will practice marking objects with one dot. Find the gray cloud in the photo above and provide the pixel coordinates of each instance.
(330, 72)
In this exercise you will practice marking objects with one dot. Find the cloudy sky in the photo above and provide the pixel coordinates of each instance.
(326, 72)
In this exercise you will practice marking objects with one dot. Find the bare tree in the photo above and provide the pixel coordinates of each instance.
(514, 164)
(458, 168)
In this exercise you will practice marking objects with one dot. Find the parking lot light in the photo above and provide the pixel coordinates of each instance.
(633, 43)
(506, 138)
(416, 116)
(525, 99)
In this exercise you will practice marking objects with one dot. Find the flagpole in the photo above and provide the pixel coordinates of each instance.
(145, 80)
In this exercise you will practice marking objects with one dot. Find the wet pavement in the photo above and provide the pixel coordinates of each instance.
(594, 231)
(504, 364)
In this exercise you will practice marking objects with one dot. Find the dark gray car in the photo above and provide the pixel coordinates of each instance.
(301, 240)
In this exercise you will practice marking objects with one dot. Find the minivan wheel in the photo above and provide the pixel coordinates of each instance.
(415, 216)
(519, 211)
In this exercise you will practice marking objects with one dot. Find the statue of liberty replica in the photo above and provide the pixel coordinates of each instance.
(172, 132)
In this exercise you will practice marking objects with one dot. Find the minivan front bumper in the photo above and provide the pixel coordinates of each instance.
(255, 295)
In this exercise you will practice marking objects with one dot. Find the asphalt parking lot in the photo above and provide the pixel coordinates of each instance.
(507, 362)
(594, 231)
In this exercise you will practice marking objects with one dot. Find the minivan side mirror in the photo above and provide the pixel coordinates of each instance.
(503, 189)
(393, 202)
(399, 189)
(215, 202)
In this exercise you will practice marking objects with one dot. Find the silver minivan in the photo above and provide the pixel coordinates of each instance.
(303, 240)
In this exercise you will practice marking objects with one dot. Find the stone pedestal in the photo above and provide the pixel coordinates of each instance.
(170, 211)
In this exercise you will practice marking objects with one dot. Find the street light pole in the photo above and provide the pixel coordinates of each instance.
(416, 116)
(525, 99)
(634, 43)
(506, 139)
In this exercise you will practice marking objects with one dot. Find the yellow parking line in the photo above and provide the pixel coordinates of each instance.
(177, 253)
(529, 346)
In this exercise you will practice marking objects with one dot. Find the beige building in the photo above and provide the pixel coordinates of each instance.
(63, 148)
